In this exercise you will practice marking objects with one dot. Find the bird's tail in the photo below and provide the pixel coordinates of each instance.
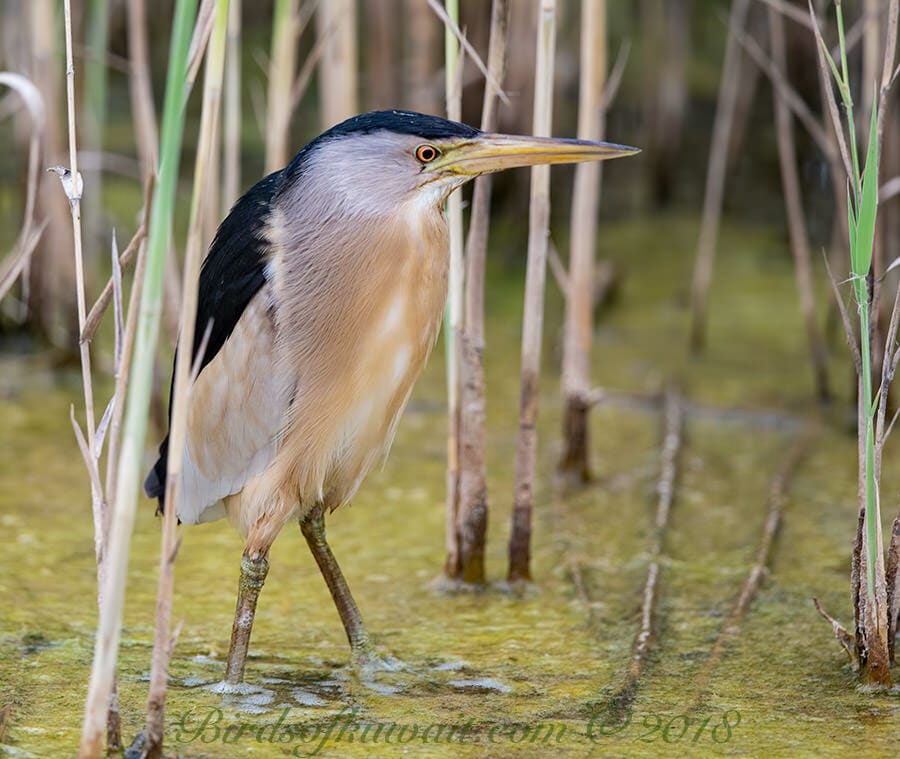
(155, 484)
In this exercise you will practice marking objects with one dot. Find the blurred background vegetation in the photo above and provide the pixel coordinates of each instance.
(672, 51)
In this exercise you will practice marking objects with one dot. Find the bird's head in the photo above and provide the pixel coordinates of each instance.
(386, 158)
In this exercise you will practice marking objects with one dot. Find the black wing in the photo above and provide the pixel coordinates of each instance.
(233, 272)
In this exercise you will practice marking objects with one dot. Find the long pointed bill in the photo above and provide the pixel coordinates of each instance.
(496, 152)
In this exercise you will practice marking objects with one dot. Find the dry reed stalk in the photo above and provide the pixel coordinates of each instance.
(95, 315)
(746, 95)
(574, 465)
(231, 149)
(891, 354)
(73, 187)
(17, 261)
(15, 265)
(285, 31)
(336, 28)
(673, 417)
(715, 178)
(90, 443)
(532, 327)
(793, 203)
(469, 549)
(732, 624)
(199, 41)
(666, 45)
(207, 142)
(469, 525)
(123, 370)
(212, 198)
(140, 89)
(51, 283)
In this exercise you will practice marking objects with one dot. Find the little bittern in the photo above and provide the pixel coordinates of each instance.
(322, 296)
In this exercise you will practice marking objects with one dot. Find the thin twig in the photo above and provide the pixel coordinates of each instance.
(665, 491)
(123, 371)
(715, 178)
(829, 93)
(845, 318)
(90, 462)
(141, 89)
(309, 68)
(467, 46)
(117, 302)
(840, 633)
(34, 102)
(785, 91)
(732, 624)
(791, 11)
(793, 202)
(614, 80)
(558, 269)
(16, 262)
(231, 150)
(202, 30)
(95, 316)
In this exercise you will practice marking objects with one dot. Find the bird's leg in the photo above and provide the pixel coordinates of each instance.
(363, 653)
(254, 568)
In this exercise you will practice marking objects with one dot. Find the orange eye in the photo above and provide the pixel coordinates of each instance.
(427, 153)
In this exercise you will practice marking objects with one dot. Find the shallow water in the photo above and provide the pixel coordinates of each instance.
(489, 673)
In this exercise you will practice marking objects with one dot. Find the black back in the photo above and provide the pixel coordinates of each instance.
(233, 272)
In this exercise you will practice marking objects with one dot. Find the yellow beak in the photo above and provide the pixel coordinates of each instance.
(496, 152)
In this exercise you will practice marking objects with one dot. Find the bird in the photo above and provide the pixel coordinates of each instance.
(319, 301)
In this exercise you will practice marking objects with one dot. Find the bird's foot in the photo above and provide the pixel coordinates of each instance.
(368, 662)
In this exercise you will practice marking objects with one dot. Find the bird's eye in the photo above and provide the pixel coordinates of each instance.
(427, 153)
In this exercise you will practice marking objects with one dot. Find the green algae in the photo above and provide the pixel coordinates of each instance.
(491, 673)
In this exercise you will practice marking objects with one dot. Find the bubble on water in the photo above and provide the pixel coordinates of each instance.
(306, 698)
(482, 683)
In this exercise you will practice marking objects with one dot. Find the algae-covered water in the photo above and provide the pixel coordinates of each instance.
(489, 674)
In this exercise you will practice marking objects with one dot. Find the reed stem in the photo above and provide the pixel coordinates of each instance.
(533, 324)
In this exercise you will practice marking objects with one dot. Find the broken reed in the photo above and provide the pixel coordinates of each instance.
(576, 373)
